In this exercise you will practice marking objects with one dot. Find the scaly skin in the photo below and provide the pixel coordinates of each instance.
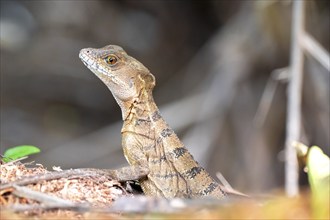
(148, 142)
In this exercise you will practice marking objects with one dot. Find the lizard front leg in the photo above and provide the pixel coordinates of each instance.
(128, 173)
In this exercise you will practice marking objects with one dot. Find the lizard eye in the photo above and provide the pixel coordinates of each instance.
(112, 60)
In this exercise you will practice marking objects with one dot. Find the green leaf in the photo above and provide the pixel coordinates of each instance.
(318, 165)
(19, 151)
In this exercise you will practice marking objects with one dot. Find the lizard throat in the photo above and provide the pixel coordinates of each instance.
(141, 107)
(139, 118)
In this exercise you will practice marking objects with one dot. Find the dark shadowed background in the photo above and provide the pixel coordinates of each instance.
(212, 60)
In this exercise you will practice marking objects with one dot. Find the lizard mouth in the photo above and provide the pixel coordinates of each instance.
(84, 62)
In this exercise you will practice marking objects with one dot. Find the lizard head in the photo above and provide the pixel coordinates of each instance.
(123, 75)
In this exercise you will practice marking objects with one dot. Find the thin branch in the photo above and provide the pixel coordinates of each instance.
(44, 198)
(223, 181)
(316, 50)
(227, 187)
(120, 175)
(293, 125)
(50, 176)
(268, 95)
(37, 207)
(35, 179)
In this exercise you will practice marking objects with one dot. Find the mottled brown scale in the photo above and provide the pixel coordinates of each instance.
(148, 142)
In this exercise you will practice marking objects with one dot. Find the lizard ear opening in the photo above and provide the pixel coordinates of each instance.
(149, 80)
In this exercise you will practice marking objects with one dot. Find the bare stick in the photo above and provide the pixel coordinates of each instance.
(35, 207)
(121, 175)
(293, 124)
(46, 176)
(227, 187)
(268, 95)
(316, 50)
(44, 198)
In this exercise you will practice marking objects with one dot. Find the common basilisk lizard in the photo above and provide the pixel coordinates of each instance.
(151, 147)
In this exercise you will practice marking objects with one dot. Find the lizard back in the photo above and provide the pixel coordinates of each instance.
(174, 171)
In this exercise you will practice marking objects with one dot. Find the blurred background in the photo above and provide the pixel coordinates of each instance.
(213, 62)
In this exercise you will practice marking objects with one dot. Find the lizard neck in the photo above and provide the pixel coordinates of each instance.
(140, 108)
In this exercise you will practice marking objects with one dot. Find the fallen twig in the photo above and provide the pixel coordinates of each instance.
(44, 198)
(38, 207)
(52, 176)
(121, 175)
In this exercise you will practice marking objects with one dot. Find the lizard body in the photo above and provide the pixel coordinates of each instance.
(148, 142)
